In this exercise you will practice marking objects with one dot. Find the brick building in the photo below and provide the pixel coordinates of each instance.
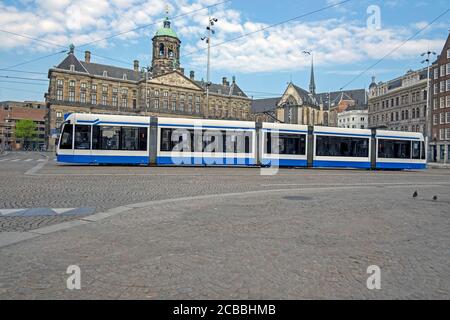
(399, 104)
(162, 90)
(11, 112)
(440, 102)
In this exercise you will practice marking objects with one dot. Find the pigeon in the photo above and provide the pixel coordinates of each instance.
(434, 198)
(415, 194)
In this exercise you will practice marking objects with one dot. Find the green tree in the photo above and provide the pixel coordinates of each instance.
(26, 130)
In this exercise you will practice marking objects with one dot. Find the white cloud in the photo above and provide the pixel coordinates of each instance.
(333, 41)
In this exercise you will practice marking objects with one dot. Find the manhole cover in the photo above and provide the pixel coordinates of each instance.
(297, 198)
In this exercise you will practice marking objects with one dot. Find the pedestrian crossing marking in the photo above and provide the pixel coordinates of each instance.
(31, 212)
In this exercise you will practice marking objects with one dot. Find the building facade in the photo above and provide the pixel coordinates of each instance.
(161, 90)
(13, 111)
(399, 104)
(353, 117)
(299, 106)
(440, 102)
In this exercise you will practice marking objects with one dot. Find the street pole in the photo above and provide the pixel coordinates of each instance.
(207, 38)
(428, 113)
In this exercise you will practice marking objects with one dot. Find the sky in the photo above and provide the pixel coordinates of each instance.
(260, 42)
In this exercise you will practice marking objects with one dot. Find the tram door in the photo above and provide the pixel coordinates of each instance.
(82, 143)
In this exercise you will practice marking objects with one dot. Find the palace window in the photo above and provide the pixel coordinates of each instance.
(94, 98)
(156, 93)
(165, 104)
(156, 103)
(115, 90)
(72, 83)
(105, 89)
(124, 77)
(59, 94)
(105, 73)
(124, 102)
(60, 83)
(174, 106)
(94, 87)
(83, 97)
(72, 67)
(161, 49)
(104, 100)
(114, 101)
(71, 96)
(182, 106)
(124, 91)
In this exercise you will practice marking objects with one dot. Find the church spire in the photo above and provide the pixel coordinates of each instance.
(312, 83)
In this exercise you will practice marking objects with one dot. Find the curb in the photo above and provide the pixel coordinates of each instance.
(9, 238)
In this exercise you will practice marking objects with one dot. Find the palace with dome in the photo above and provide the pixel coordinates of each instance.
(161, 90)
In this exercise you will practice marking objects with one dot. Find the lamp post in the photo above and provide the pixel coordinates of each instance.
(428, 54)
(207, 38)
(146, 70)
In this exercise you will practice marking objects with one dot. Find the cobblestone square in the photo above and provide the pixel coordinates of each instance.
(220, 233)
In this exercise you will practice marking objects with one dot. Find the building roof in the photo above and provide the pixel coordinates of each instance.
(231, 90)
(166, 30)
(96, 69)
(333, 98)
(264, 105)
(307, 97)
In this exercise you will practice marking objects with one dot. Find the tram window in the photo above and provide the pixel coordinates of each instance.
(119, 138)
(133, 139)
(394, 149)
(416, 150)
(423, 153)
(288, 144)
(330, 146)
(106, 138)
(66, 137)
(231, 141)
(82, 137)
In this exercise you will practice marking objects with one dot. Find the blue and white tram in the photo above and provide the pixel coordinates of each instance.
(283, 145)
(104, 139)
(140, 140)
(400, 150)
(205, 142)
(342, 147)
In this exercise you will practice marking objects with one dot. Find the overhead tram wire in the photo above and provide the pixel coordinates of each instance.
(33, 60)
(114, 35)
(154, 23)
(23, 78)
(52, 44)
(23, 71)
(103, 39)
(395, 49)
(272, 26)
(27, 83)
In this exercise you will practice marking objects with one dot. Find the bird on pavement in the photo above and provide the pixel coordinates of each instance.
(415, 194)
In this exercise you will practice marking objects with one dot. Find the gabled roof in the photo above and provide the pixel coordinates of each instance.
(265, 105)
(96, 69)
(112, 71)
(306, 96)
(232, 90)
(72, 60)
(357, 95)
